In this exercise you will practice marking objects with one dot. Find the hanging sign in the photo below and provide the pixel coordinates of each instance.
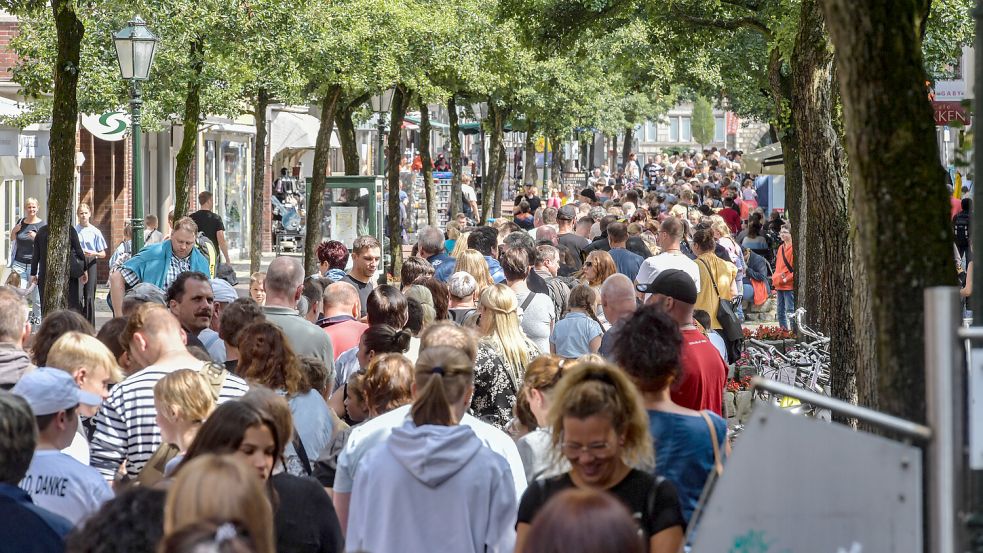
(110, 126)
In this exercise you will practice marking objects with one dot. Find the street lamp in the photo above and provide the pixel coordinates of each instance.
(480, 110)
(135, 48)
(380, 105)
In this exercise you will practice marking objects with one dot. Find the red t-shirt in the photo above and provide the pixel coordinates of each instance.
(732, 218)
(704, 374)
(344, 335)
(956, 205)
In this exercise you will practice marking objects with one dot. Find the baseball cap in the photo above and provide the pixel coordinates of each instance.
(49, 390)
(674, 283)
(146, 292)
(223, 291)
(567, 213)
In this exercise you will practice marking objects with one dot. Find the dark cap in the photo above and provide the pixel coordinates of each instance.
(566, 213)
(589, 193)
(674, 283)
(530, 184)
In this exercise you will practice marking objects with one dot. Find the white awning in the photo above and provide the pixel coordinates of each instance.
(296, 131)
(36, 166)
(232, 128)
(765, 161)
(10, 168)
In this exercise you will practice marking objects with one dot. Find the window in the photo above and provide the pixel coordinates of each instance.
(718, 129)
(673, 129)
(685, 129)
(650, 132)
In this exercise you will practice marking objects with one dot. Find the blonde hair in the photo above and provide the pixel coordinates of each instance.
(75, 350)
(443, 376)
(601, 389)
(387, 383)
(220, 487)
(13, 279)
(719, 226)
(460, 245)
(500, 327)
(472, 262)
(188, 393)
(259, 277)
(32, 200)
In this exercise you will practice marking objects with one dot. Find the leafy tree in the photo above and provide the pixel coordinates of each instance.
(703, 124)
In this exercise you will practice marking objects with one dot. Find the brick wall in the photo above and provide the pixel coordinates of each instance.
(8, 59)
(105, 177)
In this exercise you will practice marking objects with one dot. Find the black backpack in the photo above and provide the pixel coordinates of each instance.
(960, 227)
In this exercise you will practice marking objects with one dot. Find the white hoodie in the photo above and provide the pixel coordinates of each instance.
(432, 488)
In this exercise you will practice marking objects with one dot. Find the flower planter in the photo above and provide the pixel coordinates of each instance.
(730, 407)
(780, 345)
(743, 404)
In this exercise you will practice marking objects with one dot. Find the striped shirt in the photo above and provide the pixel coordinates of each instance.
(126, 424)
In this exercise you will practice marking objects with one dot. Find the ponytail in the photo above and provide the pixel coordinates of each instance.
(443, 376)
(386, 339)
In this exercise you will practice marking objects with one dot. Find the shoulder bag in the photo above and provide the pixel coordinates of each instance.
(715, 473)
(726, 315)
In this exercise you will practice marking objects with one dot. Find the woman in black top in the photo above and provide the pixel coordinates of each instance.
(22, 236)
(600, 426)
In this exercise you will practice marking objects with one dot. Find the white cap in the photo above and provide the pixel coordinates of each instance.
(223, 291)
(49, 390)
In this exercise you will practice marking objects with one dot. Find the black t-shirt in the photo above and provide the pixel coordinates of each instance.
(209, 224)
(575, 244)
(364, 289)
(653, 502)
(25, 244)
(305, 520)
(534, 202)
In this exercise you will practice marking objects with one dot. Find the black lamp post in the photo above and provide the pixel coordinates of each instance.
(381, 103)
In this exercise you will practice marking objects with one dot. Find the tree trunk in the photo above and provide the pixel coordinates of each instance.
(830, 277)
(259, 183)
(322, 158)
(401, 101)
(189, 143)
(591, 152)
(501, 162)
(491, 192)
(529, 163)
(893, 166)
(557, 162)
(454, 206)
(626, 147)
(69, 30)
(428, 185)
(346, 136)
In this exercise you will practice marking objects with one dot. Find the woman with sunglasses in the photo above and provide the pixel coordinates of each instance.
(600, 426)
(598, 266)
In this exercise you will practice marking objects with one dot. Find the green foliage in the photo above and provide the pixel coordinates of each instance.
(949, 27)
(703, 124)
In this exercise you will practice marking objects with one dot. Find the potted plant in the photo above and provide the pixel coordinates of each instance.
(775, 336)
(738, 399)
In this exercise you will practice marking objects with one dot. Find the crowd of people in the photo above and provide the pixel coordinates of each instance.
(529, 390)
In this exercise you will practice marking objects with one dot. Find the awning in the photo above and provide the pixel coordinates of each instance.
(36, 165)
(232, 128)
(10, 168)
(415, 119)
(765, 161)
(296, 131)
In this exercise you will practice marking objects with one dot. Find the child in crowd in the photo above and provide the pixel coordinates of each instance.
(183, 400)
(14, 281)
(257, 288)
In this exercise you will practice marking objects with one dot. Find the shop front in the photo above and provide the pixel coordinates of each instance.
(225, 170)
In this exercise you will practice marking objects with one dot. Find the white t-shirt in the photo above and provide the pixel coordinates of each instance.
(374, 432)
(537, 319)
(79, 448)
(468, 193)
(654, 265)
(64, 486)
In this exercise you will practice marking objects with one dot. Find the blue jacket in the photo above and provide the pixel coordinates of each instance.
(27, 527)
(152, 262)
(444, 271)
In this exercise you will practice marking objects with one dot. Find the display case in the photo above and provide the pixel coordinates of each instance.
(442, 193)
(353, 207)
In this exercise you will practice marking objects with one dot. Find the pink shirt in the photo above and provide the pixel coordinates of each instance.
(344, 335)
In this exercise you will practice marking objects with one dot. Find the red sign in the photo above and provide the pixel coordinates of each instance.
(947, 113)
(733, 122)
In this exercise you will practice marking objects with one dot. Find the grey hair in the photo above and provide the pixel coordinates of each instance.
(284, 275)
(430, 240)
(461, 284)
(547, 252)
(18, 437)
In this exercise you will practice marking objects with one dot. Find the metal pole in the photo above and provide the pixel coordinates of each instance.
(380, 170)
(136, 102)
(945, 379)
(546, 165)
(975, 487)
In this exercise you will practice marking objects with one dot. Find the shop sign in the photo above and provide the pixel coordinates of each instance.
(947, 113)
(110, 126)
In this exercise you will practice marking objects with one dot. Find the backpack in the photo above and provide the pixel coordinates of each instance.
(208, 249)
(559, 291)
(960, 227)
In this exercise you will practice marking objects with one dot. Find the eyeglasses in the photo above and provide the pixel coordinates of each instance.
(599, 450)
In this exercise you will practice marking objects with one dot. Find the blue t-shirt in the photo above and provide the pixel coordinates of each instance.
(627, 262)
(27, 527)
(91, 238)
(572, 335)
(684, 453)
